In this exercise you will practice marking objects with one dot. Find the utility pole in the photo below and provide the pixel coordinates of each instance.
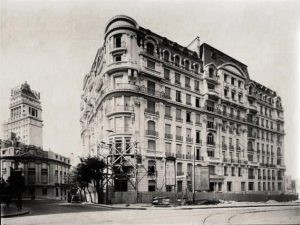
(194, 174)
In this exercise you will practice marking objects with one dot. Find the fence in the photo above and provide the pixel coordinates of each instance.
(146, 197)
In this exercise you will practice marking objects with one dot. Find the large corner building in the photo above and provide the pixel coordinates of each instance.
(181, 110)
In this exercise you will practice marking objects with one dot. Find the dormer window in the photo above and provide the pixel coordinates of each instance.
(187, 65)
(166, 56)
(150, 48)
(211, 72)
(177, 60)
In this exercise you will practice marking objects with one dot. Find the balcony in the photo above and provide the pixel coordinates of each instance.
(251, 150)
(213, 159)
(211, 78)
(231, 147)
(251, 176)
(169, 154)
(224, 146)
(259, 177)
(154, 153)
(151, 112)
(151, 133)
(280, 178)
(179, 119)
(119, 109)
(179, 156)
(169, 136)
(180, 173)
(198, 141)
(211, 144)
(179, 138)
(264, 177)
(238, 148)
(168, 116)
(213, 93)
(121, 48)
(188, 156)
(188, 86)
(189, 139)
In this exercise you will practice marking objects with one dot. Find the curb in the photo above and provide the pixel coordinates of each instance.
(117, 207)
(26, 211)
(241, 206)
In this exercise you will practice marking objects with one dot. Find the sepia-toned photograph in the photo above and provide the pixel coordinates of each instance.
(149, 112)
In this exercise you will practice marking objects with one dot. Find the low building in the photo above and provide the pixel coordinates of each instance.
(46, 173)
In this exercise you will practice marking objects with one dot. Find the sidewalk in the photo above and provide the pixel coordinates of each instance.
(12, 211)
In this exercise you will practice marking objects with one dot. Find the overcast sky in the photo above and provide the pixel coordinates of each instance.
(52, 44)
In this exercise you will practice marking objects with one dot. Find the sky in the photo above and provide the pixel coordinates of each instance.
(51, 44)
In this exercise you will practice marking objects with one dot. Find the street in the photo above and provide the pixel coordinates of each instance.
(45, 212)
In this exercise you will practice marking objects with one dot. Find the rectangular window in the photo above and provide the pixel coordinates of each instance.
(198, 136)
(152, 145)
(188, 117)
(117, 41)
(188, 99)
(225, 92)
(197, 118)
(232, 80)
(168, 92)
(229, 184)
(168, 110)
(197, 102)
(168, 147)
(150, 106)
(167, 74)
(177, 78)
(197, 85)
(243, 186)
(168, 129)
(178, 114)
(151, 185)
(44, 191)
(187, 82)
(151, 64)
(178, 96)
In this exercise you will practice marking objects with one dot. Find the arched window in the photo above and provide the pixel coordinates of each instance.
(177, 60)
(250, 145)
(210, 139)
(196, 68)
(211, 72)
(166, 56)
(150, 48)
(151, 125)
(187, 65)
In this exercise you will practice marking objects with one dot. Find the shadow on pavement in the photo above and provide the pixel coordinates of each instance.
(47, 207)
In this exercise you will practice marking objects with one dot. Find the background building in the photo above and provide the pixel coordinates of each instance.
(183, 111)
(25, 116)
(46, 173)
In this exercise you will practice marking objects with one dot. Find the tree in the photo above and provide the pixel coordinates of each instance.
(91, 170)
(16, 186)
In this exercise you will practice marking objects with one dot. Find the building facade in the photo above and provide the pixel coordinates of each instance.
(181, 110)
(46, 173)
(25, 116)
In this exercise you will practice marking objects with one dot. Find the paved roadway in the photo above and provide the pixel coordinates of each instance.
(53, 212)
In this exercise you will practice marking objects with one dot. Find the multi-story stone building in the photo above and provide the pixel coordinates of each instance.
(191, 109)
(46, 173)
(25, 116)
